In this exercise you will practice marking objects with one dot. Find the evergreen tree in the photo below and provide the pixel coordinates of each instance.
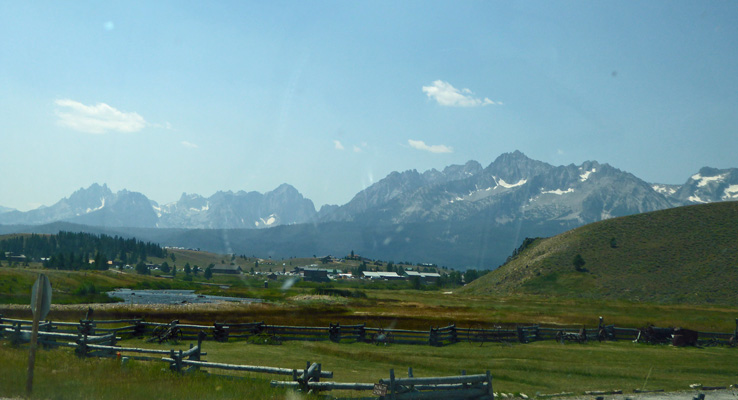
(470, 275)
(142, 269)
(579, 262)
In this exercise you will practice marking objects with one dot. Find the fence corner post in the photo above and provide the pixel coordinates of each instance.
(392, 384)
(489, 385)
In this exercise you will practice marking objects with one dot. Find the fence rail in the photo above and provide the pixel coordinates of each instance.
(435, 336)
(89, 339)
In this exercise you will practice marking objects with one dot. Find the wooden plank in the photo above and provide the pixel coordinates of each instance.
(128, 349)
(443, 394)
(249, 368)
(439, 380)
(326, 385)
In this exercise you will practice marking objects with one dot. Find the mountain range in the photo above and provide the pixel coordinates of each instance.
(407, 215)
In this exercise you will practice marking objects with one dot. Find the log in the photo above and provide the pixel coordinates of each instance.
(128, 349)
(49, 334)
(249, 368)
(326, 385)
(443, 394)
(98, 339)
(602, 392)
(119, 321)
(300, 328)
(438, 380)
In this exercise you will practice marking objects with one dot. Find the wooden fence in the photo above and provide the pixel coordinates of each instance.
(276, 334)
(99, 338)
(473, 387)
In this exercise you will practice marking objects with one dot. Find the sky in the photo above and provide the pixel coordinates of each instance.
(167, 97)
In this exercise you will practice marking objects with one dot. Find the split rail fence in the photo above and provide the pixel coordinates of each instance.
(99, 338)
(50, 332)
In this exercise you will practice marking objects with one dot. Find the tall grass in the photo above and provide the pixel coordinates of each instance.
(59, 374)
(541, 367)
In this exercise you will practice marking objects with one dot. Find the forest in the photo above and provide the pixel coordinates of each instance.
(75, 251)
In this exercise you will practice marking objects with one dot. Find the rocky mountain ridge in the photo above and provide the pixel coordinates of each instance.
(512, 189)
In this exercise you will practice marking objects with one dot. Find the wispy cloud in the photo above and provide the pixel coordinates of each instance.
(338, 145)
(188, 144)
(100, 118)
(436, 148)
(357, 149)
(447, 95)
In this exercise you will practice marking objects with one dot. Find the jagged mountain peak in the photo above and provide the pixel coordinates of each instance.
(709, 185)
(516, 167)
(513, 187)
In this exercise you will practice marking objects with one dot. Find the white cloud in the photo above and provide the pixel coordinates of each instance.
(436, 148)
(100, 118)
(357, 149)
(338, 145)
(447, 95)
(188, 144)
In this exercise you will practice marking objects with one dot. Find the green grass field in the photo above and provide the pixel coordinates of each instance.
(682, 255)
(535, 368)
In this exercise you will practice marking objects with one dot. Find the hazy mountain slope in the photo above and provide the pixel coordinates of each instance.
(681, 254)
(709, 185)
(512, 187)
(241, 210)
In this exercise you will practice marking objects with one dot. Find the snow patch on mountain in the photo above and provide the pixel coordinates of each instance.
(501, 182)
(584, 176)
(558, 191)
(731, 193)
(266, 222)
(705, 180)
(102, 201)
(664, 189)
(206, 207)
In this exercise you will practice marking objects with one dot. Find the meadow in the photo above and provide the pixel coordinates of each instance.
(535, 368)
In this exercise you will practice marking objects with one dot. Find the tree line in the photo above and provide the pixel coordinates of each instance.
(74, 251)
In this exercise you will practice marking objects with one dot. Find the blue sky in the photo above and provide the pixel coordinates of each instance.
(170, 97)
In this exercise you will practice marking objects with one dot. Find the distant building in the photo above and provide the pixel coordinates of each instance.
(227, 269)
(381, 275)
(15, 257)
(425, 277)
(315, 275)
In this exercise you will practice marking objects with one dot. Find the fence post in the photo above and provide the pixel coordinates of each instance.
(177, 357)
(392, 384)
(82, 348)
(139, 329)
(220, 332)
(454, 334)
(86, 327)
(433, 337)
(16, 338)
(489, 385)
(362, 331)
(334, 332)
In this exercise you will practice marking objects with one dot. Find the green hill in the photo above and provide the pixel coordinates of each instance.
(681, 255)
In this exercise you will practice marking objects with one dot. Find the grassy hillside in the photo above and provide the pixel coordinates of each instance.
(687, 254)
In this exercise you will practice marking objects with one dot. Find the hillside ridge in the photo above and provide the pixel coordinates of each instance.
(684, 254)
